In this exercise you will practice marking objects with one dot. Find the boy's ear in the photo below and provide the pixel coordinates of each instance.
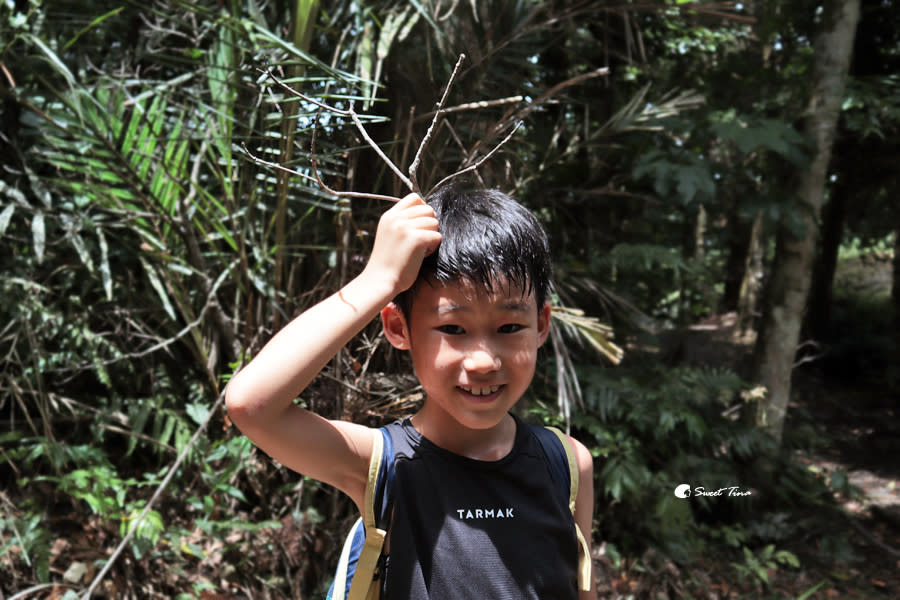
(396, 330)
(544, 323)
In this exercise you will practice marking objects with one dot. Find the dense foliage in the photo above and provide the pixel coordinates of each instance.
(159, 221)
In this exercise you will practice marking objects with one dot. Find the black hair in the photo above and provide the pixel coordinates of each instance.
(485, 235)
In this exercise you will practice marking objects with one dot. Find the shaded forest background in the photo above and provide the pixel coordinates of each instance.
(158, 223)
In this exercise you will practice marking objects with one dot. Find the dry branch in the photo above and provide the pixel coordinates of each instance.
(356, 121)
(411, 182)
(480, 161)
(417, 160)
(473, 106)
(520, 114)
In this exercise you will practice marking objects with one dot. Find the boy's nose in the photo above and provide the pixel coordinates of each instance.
(481, 360)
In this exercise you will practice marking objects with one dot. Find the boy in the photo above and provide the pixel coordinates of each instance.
(461, 283)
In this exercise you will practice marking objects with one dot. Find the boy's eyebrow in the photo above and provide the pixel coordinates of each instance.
(511, 306)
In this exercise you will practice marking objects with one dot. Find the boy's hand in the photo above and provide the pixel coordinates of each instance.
(407, 233)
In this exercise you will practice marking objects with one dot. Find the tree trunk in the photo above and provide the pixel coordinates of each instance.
(895, 284)
(795, 250)
(738, 243)
(823, 274)
(751, 282)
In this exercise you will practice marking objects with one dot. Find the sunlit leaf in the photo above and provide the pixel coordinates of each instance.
(5, 217)
(38, 235)
(105, 274)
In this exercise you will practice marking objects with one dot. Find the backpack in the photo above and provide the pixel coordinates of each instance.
(360, 557)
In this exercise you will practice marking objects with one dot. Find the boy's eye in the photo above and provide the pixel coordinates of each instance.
(451, 329)
(511, 328)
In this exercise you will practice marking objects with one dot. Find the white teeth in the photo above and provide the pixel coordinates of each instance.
(480, 391)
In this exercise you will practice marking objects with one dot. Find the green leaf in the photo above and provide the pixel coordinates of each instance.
(39, 236)
(808, 593)
(159, 288)
(53, 58)
(787, 558)
(91, 25)
(105, 274)
(78, 243)
(5, 217)
(197, 412)
(761, 573)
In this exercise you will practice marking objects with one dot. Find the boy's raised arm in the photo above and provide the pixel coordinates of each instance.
(260, 396)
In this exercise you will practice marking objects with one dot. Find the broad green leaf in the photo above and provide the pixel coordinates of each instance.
(197, 412)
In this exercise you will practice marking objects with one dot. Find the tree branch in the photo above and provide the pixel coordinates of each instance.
(356, 121)
(480, 162)
(418, 158)
(316, 179)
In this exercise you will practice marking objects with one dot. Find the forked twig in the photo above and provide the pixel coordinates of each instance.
(480, 161)
(418, 158)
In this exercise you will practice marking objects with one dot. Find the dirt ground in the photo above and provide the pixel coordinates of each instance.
(862, 422)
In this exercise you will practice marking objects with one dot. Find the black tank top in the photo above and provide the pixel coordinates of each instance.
(470, 529)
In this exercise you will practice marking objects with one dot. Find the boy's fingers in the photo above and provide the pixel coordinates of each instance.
(410, 199)
(418, 210)
(433, 241)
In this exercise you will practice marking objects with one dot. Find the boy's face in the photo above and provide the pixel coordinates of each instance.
(473, 351)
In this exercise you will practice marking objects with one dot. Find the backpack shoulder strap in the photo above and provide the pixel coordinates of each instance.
(371, 550)
(362, 547)
(584, 559)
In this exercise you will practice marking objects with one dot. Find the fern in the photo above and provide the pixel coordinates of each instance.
(656, 428)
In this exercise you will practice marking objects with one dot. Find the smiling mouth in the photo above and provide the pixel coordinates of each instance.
(481, 391)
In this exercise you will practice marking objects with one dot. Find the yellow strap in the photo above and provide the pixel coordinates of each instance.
(584, 562)
(584, 559)
(371, 550)
(368, 560)
(372, 481)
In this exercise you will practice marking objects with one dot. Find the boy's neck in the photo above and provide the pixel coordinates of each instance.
(480, 444)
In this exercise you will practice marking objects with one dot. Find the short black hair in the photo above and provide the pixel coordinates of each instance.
(485, 235)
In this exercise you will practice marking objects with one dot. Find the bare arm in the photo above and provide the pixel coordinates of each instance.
(260, 398)
(584, 504)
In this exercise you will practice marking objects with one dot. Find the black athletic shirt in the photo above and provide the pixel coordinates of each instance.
(470, 529)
